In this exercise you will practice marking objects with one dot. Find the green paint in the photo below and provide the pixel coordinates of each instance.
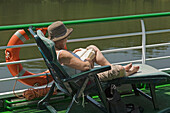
(37, 25)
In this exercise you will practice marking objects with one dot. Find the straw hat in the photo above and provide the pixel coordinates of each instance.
(58, 31)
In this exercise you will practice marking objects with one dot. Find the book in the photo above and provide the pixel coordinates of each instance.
(85, 53)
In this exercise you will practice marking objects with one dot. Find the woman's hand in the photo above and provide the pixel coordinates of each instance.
(91, 63)
(76, 50)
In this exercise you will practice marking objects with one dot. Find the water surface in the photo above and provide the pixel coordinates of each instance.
(36, 11)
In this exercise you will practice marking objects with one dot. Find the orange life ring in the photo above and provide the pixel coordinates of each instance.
(12, 54)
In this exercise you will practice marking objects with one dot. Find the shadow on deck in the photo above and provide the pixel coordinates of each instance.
(163, 98)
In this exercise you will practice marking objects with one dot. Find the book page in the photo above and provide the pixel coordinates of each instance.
(84, 53)
(80, 53)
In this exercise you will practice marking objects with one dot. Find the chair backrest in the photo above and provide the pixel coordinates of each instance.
(47, 49)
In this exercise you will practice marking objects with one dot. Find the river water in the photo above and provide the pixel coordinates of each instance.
(36, 11)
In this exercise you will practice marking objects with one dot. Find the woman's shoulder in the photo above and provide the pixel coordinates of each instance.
(61, 51)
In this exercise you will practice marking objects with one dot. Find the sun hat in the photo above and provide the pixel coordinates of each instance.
(58, 31)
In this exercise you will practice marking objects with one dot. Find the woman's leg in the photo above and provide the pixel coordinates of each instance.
(99, 58)
(117, 70)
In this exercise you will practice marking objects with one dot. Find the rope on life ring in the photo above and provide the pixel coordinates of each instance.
(12, 54)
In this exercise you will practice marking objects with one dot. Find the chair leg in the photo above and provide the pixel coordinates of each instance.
(71, 104)
(102, 94)
(42, 103)
(100, 106)
(153, 95)
(135, 89)
(49, 107)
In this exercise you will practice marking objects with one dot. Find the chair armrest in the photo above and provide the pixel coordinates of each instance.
(84, 74)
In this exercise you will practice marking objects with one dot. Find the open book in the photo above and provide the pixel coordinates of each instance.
(85, 53)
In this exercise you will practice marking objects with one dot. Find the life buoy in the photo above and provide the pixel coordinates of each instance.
(12, 54)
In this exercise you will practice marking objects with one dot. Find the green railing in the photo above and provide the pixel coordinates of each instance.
(107, 19)
(37, 25)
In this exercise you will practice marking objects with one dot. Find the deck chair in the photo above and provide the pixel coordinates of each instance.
(65, 83)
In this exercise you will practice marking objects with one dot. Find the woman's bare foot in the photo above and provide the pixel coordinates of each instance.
(127, 67)
(132, 70)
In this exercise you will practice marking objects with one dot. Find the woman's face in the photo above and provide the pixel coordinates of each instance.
(61, 44)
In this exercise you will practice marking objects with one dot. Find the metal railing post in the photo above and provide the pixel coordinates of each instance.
(143, 42)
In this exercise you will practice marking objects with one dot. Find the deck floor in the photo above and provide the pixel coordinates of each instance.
(163, 98)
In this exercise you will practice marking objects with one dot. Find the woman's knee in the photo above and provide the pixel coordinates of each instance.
(95, 48)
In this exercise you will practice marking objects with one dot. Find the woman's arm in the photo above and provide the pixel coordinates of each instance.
(66, 58)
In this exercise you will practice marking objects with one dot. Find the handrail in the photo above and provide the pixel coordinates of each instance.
(104, 51)
(107, 19)
(23, 77)
(21, 61)
(45, 74)
(91, 38)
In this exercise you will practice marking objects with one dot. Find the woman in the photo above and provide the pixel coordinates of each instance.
(58, 33)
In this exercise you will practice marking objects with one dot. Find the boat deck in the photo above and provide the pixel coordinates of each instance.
(162, 92)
